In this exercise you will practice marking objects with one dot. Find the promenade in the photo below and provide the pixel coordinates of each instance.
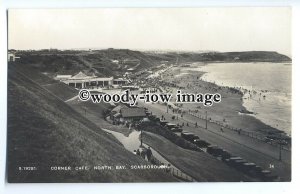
(250, 149)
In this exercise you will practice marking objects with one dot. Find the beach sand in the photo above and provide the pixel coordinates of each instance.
(228, 111)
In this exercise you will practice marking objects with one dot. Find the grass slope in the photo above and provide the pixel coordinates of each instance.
(44, 131)
(99, 61)
(60, 89)
(199, 165)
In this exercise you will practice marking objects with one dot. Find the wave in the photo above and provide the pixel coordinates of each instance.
(266, 88)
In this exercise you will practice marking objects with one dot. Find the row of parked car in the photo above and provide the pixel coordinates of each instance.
(236, 162)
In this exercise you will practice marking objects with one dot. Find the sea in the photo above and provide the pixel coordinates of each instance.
(267, 88)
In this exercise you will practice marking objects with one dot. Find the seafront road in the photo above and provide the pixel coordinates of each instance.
(250, 149)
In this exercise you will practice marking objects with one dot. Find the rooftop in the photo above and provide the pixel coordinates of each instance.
(81, 75)
(118, 108)
(132, 112)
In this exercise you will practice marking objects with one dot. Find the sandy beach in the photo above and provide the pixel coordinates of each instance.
(230, 111)
(191, 116)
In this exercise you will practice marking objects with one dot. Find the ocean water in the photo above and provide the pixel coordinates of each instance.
(266, 87)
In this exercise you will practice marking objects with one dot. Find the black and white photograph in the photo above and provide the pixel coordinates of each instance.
(144, 95)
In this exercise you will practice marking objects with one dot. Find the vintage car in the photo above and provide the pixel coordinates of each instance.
(189, 136)
(225, 155)
(170, 125)
(163, 123)
(248, 167)
(176, 129)
(231, 161)
(214, 150)
(267, 175)
(201, 143)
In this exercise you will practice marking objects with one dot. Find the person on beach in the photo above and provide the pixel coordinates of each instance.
(149, 153)
(138, 152)
(168, 169)
(143, 153)
(240, 130)
(134, 151)
(196, 124)
(221, 129)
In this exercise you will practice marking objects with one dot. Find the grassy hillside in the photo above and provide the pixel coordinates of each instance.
(99, 61)
(247, 56)
(44, 131)
(61, 90)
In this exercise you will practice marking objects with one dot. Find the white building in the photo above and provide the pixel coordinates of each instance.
(120, 81)
(82, 80)
(11, 57)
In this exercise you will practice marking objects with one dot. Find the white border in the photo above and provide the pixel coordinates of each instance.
(145, 188)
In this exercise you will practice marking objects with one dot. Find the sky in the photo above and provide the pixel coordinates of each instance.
(182, 29)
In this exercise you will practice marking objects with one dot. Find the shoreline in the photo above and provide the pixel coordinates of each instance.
(232, 111)
(251, 101)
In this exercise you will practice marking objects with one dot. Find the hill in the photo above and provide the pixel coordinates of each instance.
(246, 56)
(61, 90)
(44, 131)
(115, 62)
(110, 62)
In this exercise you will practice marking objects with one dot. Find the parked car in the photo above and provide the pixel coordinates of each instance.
(267, 175)
(257, 170)
(163, 123)
(189, 136)
(248, 167)
(239, 164)
(170, 125)
(225, 155)
(201, 143)
(176, 129)
(231, 161)
(214, 150)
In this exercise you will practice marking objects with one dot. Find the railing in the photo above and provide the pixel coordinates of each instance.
(173, 171)
(241, 132)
